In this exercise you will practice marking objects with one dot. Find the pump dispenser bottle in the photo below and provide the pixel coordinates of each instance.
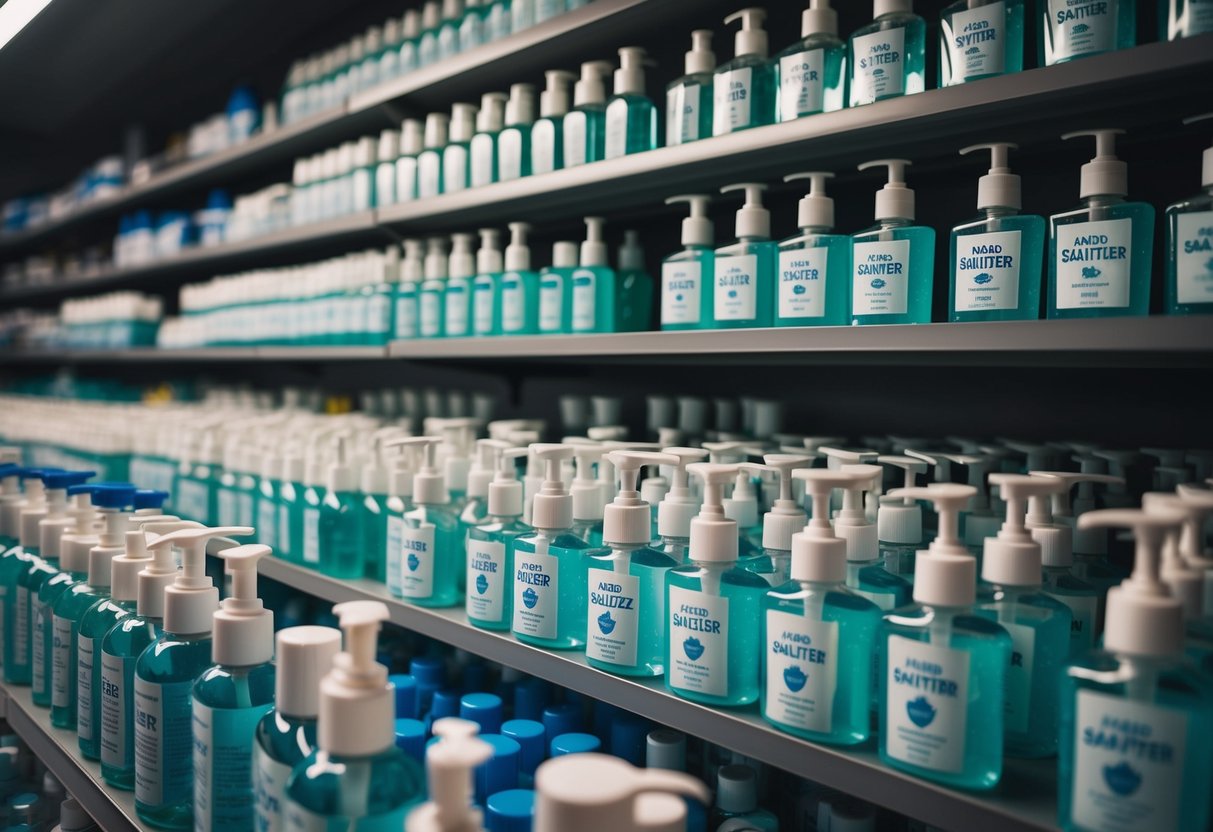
(430, 159)
(451, 762)
(744, 271)
(1189, 288)
(408, 290)
(631, 116)
(549, 584)
(886, 57)
(1100, 253)
(231, 697)
(1071, 31)
(943, 667)
(867, 574)
(688, 100)
(355, 778)
(584, 129)
(431, 553)
(372, 509)
(431, 302)
(1057, 560)
(819, 638)
(743, 89)
(412, 143)
(287, 733)
(164, 681)
(22, 587)
(338, 522)
(996, 258)
(595, 290)
(456, 155)
(894, 260)
(556, 290)
(587, 492)
(714, 607)
(811, 70)
(519, 286)
(685, 302)
(1134, 714)
(514, 143)
(679, 506)
(980, 39)
(490, 549)
(483, 148)
(547, 136)
(457, 298)
(486, 287)
(813, 289)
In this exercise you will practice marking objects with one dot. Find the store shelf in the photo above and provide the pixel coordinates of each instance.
(216, 355)
(1021, 803)
(112, 809)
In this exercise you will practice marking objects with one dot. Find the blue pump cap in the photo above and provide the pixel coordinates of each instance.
(629, 734)
(10, 469)
(485, 709)
(65, 479)
(574, 744)
(406, 695)
(218, 199)
(149, 498)
(107, 494)
(242, 98)
(531, 696)
(499, 772)
(410, 738)
(427, 671)
(532, 737)
(141, 220)
(562, 719)
(36, 473)
(446, 703)
(510, 811)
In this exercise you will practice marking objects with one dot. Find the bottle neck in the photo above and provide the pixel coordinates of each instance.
(815, 230)
(999, 211)
(1103, 199)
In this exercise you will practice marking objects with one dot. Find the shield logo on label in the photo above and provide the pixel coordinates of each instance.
(920, 712)
(413, 562)
(482, 584)
(1122, 778)
(606, 623)
(795, 678)
(693, 648)
(530, 597)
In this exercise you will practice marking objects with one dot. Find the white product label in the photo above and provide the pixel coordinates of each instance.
(536, 592)
(736, 288)
(267, 527)
(225, 502)
(731, 99)
(1128, 764)
(38, 647)
(616, 129)
(987, 271)
(881, 285)
(585, 300)
(681, 289)
(1082, 626)
(485, 580)
(385, 185)
(61, 658)
(395, 534)
(1017, 706)
(1094, 262)
(543, 146)
(164, 741)
(976, 41)
(244, 509)
(1194, 256)
(429, 174)
(406, 178)
(84, 688)
(311, 535)
(482, 160)
(513, 303)
(802, 671)
(1082, 27)
(551, 303)
(431, 313)
(801, 84)
(115, 700)
(682, 114)
(880, 69)
(269, 790)
(613, 615)
(927, 698)
(417, 560)
(699, 642)
(482, 305)
(192, 500)
(454, 168)
(574, 139)
(407, 316)
(362, 189)
(456, 309)
(20, 657)
(802, 282)
(509, 155)
(284, 529)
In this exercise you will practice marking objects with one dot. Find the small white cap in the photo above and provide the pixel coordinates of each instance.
(488, 256)
(815, 209)
(518, 253)
(485, 465)
(700, 60)
(191, 600)
(463, 122)
(736, 789)
(304, 655)
(357, 702)
(161, 572)
(697, 229)
(819, 19)
(505, 492)
(751, 39)
(1104, 175)
(491, 117)
(340, 476)
(945, 574)
(591, 87)
(999, 188)
(785, 518)
(629, 78)
(1056, 540)
(585, 489)
(845, 814)
(552, 507)
(554, 100)
(713, 535)
(125, 569)
(817, 554)
(862, 536)
(437, 131)
(412, 136)
(883, 7)
(894, 201)
(678, 507)
(1013, 558)
(429, 486)
(1185, 581)
(900, 521)
(450, 764)
(243, 628)
(520, 108)
(628, 519)
(594, 247)
(564, 255)
(462, 260)
(73, 817)
(752, 219)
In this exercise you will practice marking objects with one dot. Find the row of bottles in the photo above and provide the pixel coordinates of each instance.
(31, 798)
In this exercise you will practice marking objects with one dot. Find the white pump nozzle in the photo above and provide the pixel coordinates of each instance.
(852, 523)
(1197, 506)
(437, 131)
(628, 518)
(357, 703)
(815, 210)
(894, 201)
(629, 78)
(999, 188)
(900, 521)
(751, 39)
(463, 122)
(1014, 558)
(1185, 581)
(488, 256)
(594, 248)
(517, 253)
(520, 107)
(591, 87)
(817, 554)
(785, 517)
(1056, 539)
(819, 19)
(697, 229)
(753, 220)
(586, 490)
(462, 260)
(505, 491)
(700, 60)
(1105, 174)
(491, 117)
(429, 486)
(554, 100)
(192, 599)
(552, 507)
(243, 628)
(675, 511)
(945, 574)
(485, 465)
(1206, 172)
(450, 765)
(713, 535)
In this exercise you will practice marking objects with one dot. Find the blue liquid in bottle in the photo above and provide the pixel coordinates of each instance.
(743, 284)
(1189, 288)
(813, 278)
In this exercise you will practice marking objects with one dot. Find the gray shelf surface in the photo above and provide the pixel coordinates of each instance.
(202, 355)
(1022, 802)
(112, 809)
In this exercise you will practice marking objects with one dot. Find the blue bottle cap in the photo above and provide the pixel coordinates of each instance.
(562, 719)
(628, 737)
(141, 220)
(410, 738)
(484, 709)
(531, 696)
(58, 478)
(218, 199)
(10, 469)
(445, 703)
(510, 811)
(406, 695)
(107, 494)
(149, 498)
(604, 715)
(574, 744)
(532, 737)
(428, 671)
(499, 772)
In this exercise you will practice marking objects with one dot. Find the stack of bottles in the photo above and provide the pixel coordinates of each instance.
(117, 320)
(103, 179)
(31, 798)
(143, 239)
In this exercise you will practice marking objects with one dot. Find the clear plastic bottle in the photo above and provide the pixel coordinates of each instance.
(886, 57)
(813, 288)
(431, 298)
(399, 503)
(743, 284)
(584, 128)
(980, 39)
(631, 116)
(556, 290)
(290, 505)
(587, 492)
(678, 507)
(514, 141)
(372, 519)
(1058, 579)
(743, 89)
(811, 70)
(1189, 223)
(685, 301)
(866, 572)
(517, 287)
(490, 549)
(486, 286)
(547, 136)
(594, 291)
(688, 99)
(431, 548)
(21, 576)
(457, 296)
(1070, 30)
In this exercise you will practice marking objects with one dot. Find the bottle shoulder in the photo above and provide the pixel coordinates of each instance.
(1175, 679)
(986, 224)
(797, 593)
(916, 621)
(892, 20)
(690, 254)
(895, 231)
(220, 686)
(813, 239)
(392, 780)
(820, 40)
(701, 79)
(100, 617)
(641, 556)
(741, 248)
(1199, 202)
(1114, 210)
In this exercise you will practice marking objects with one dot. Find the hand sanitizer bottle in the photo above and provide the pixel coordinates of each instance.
(490, 549)
(556, 290)
(785, 518)
(455, 755)
(408, 291)
(684, 302)
(483, 148)
(431, 549)
(587, 492)
(121, 647)
(518, 288)
(431, 22)
(737, 801)
(1189, 288)
(814, 265)
(409, 57)
(634, 287)
(448, 31)
(1100, 254)
(431, 298)
(457, 298)
(866, 573)
(372, 509)
(290, 504)
(385, 171)
(980, 39)
(688, 100)
(412, 143)
(23, 575)
(631, 116)
(894, 260)
(486, 288)
(430, 164)
(287, 733)
(1184, 19)
(1039, 625)
(456, 155)
(996, 259)
(886, 57)
(338, 523)
(399, 503)
(943, 667)
(1072, 30)
(594, 284)
(164, 681)
(549, 582)
(811, 687)
(514, 143)
(714, 607)
(231, 697)
(743, 89)
(547, 136)
(1134, 713)
(679, 506)
(473, 27)
(811, 70)
(744, 271)
(584, 129)
(356, 777)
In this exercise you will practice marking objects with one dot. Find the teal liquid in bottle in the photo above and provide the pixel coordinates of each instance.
(514, 142)
(267, 508)
(372, 524)
(812, 285)
(631, 116)
(457, 155)
(490, 550)
(457, 297)
(486, 285)
(743, 89)
(339, 521)
(518, 287)
(688, 100)
(584, 128)
(811, 72)
(407, 299)
(594, 284)
(483, 148)
(685, 299)
(1189, 223)
(44, 631)
(1183, 19)
(431, 303)
(743, 285)
(556, 290)
(547, 134)
(886, 57)
(633, 299)
(866, 573)
(1068, 32)
(1057, 574)
(430, 161)
(290, 507)
(980, 40)
(431, 552)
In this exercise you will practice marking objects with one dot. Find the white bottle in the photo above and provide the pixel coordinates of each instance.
(449, 764)
(431, 310)
(385, 173)
(412, 142)
(461, 268)
(489, 122)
